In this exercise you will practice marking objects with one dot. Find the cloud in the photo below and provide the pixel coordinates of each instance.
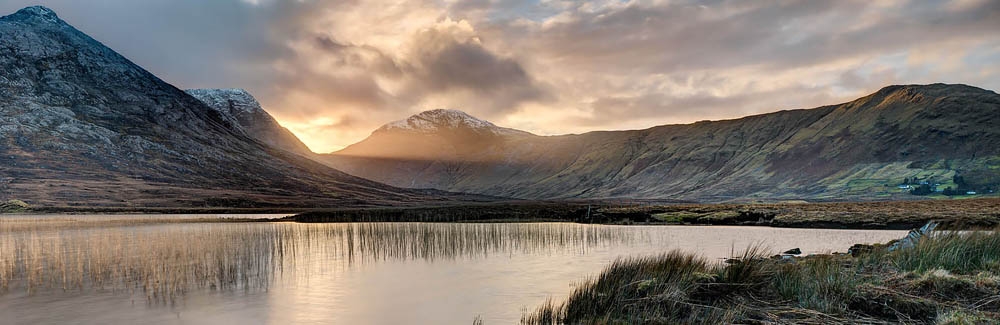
(444, 64)
(450, 58)
(332, 71)
(641, 63)
(683, 35)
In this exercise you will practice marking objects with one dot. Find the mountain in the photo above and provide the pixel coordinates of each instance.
(432, 135)
(240, 108)
(857, 150)
(80, 125)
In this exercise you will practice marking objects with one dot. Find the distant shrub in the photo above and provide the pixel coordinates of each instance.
(922, 190)
(13, 206)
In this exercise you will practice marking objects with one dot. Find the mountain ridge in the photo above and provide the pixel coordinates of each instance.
(240, 108)
(815, 151)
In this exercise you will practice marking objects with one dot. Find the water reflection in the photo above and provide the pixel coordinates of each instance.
(164, 261)
(112, 270)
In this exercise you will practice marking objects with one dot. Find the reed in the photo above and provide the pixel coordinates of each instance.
(164, 260)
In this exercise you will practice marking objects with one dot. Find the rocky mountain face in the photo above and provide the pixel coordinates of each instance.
(239, 107)
(858, 150)
(82, 125)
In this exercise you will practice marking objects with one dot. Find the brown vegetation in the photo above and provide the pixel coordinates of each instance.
(970, 213)
(951, 278)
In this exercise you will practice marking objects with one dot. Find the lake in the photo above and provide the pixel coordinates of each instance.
(168, 269)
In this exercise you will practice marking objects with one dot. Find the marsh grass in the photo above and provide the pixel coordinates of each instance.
(164, 261)
(161, 264)
(958, 252)
(950, 278)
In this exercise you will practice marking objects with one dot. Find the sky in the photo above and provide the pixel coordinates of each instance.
(334, 71)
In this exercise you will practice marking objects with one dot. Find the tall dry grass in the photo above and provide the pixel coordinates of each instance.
(163, 261)
(944, 277)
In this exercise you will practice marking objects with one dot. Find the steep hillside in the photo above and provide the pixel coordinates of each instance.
(82, 125)
(858, 150)
(240, 108)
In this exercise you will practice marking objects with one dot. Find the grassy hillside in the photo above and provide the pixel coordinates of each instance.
(860, 150)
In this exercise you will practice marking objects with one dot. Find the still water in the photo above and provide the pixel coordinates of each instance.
(186, 270)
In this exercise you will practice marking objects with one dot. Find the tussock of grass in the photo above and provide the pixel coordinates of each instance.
(949, 278)
(963, 318)
(957, 252)
(820, 284)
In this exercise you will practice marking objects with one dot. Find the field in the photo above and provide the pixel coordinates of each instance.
(951, 278)
(967, 213)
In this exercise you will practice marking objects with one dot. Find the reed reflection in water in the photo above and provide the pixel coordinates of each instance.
(164, 261)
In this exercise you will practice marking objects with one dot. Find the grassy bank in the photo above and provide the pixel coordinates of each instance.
(948, 279)
(956, 214)
(519, 211)
(967, 213)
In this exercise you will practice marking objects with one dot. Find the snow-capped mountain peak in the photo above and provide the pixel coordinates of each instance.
(445, 119)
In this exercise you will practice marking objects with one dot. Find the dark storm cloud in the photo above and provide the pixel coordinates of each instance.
(448, 63)
(440, 62)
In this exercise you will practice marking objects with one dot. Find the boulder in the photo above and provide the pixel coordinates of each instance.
(913, 237)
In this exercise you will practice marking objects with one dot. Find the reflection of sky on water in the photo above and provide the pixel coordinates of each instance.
(386, 273)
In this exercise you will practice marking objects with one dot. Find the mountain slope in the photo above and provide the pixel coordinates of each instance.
(240, 108)
(82, 125)
(856, 150)
(432, 135)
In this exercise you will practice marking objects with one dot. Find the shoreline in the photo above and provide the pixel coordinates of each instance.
(892, 215)
(896, 215)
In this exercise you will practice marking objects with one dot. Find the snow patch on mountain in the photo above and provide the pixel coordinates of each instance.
(36, 12)
(241, 109)
(445, 119)
(238, 100)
